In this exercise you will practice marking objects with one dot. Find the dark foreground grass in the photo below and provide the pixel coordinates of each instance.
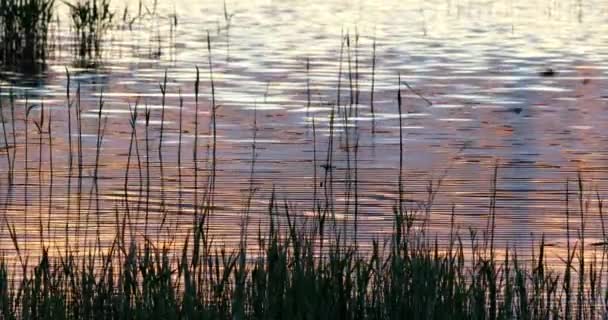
(292, 276)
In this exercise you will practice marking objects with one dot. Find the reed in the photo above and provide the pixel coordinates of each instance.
(14, 130)
(50, 183)
(408, 275)
(27, 110)
(348, 109)
(195, 147)
(40, 131)
(163, 90)
(132, 139)
(9, 163)
(101, 129)
(400, 179)
(179, 153)
(308, 94)
(94, 189)
(314, 165)
(80, 160)
(141, 184)
(211, 180)
(349, 58)
(24, 32)
(70, 161)
(147, 139)
(373, 81)
(357, 76)
(91, 20)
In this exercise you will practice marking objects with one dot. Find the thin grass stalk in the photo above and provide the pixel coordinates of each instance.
(69, 105)
(163, 90)
(133, 126)
(101, 122)
(80, 161)
(26, 182)
(373, 85)
(328, 180)
(600, 207)
(356, 187)
(147, 139)
(51, 176)
(238, 302)
(581, 267)
(492, 217)
(214, 126)
(70, 164)
(429, 102)
(400, 182)
(203, 224)
(14, 128)
(195, 146)
(347, 113)
(314, 164)
(40, 130)
(308, 94)
(357, 91)
(350, 72)
(179, 153)
(567, 277)
(6, 146)
(139, 168)
(321, 213)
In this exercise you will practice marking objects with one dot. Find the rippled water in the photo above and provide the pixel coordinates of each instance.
(478, 63)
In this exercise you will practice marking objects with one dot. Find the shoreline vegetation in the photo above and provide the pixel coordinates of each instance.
(24, 33)
(294, 266)
(29, 30)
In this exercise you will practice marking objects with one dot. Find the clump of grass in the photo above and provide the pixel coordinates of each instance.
(24, 28)
(287, 277)
(91, 20)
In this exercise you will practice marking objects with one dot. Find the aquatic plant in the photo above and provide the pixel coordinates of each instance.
(24, 30)
(91, 20)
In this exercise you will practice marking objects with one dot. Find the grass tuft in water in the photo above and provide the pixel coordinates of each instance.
(91, 20)
(24, 30)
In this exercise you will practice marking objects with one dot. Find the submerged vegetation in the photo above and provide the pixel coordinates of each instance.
(24, 28)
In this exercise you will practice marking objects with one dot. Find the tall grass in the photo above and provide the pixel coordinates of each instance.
(24, 28)
(91, 20)
(405, 275)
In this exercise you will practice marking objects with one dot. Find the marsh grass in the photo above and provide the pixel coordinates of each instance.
(91, 20)
(24, 32)
(289, 277)
(27, 36)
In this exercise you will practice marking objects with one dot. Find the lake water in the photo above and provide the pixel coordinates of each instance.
(476, 98)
